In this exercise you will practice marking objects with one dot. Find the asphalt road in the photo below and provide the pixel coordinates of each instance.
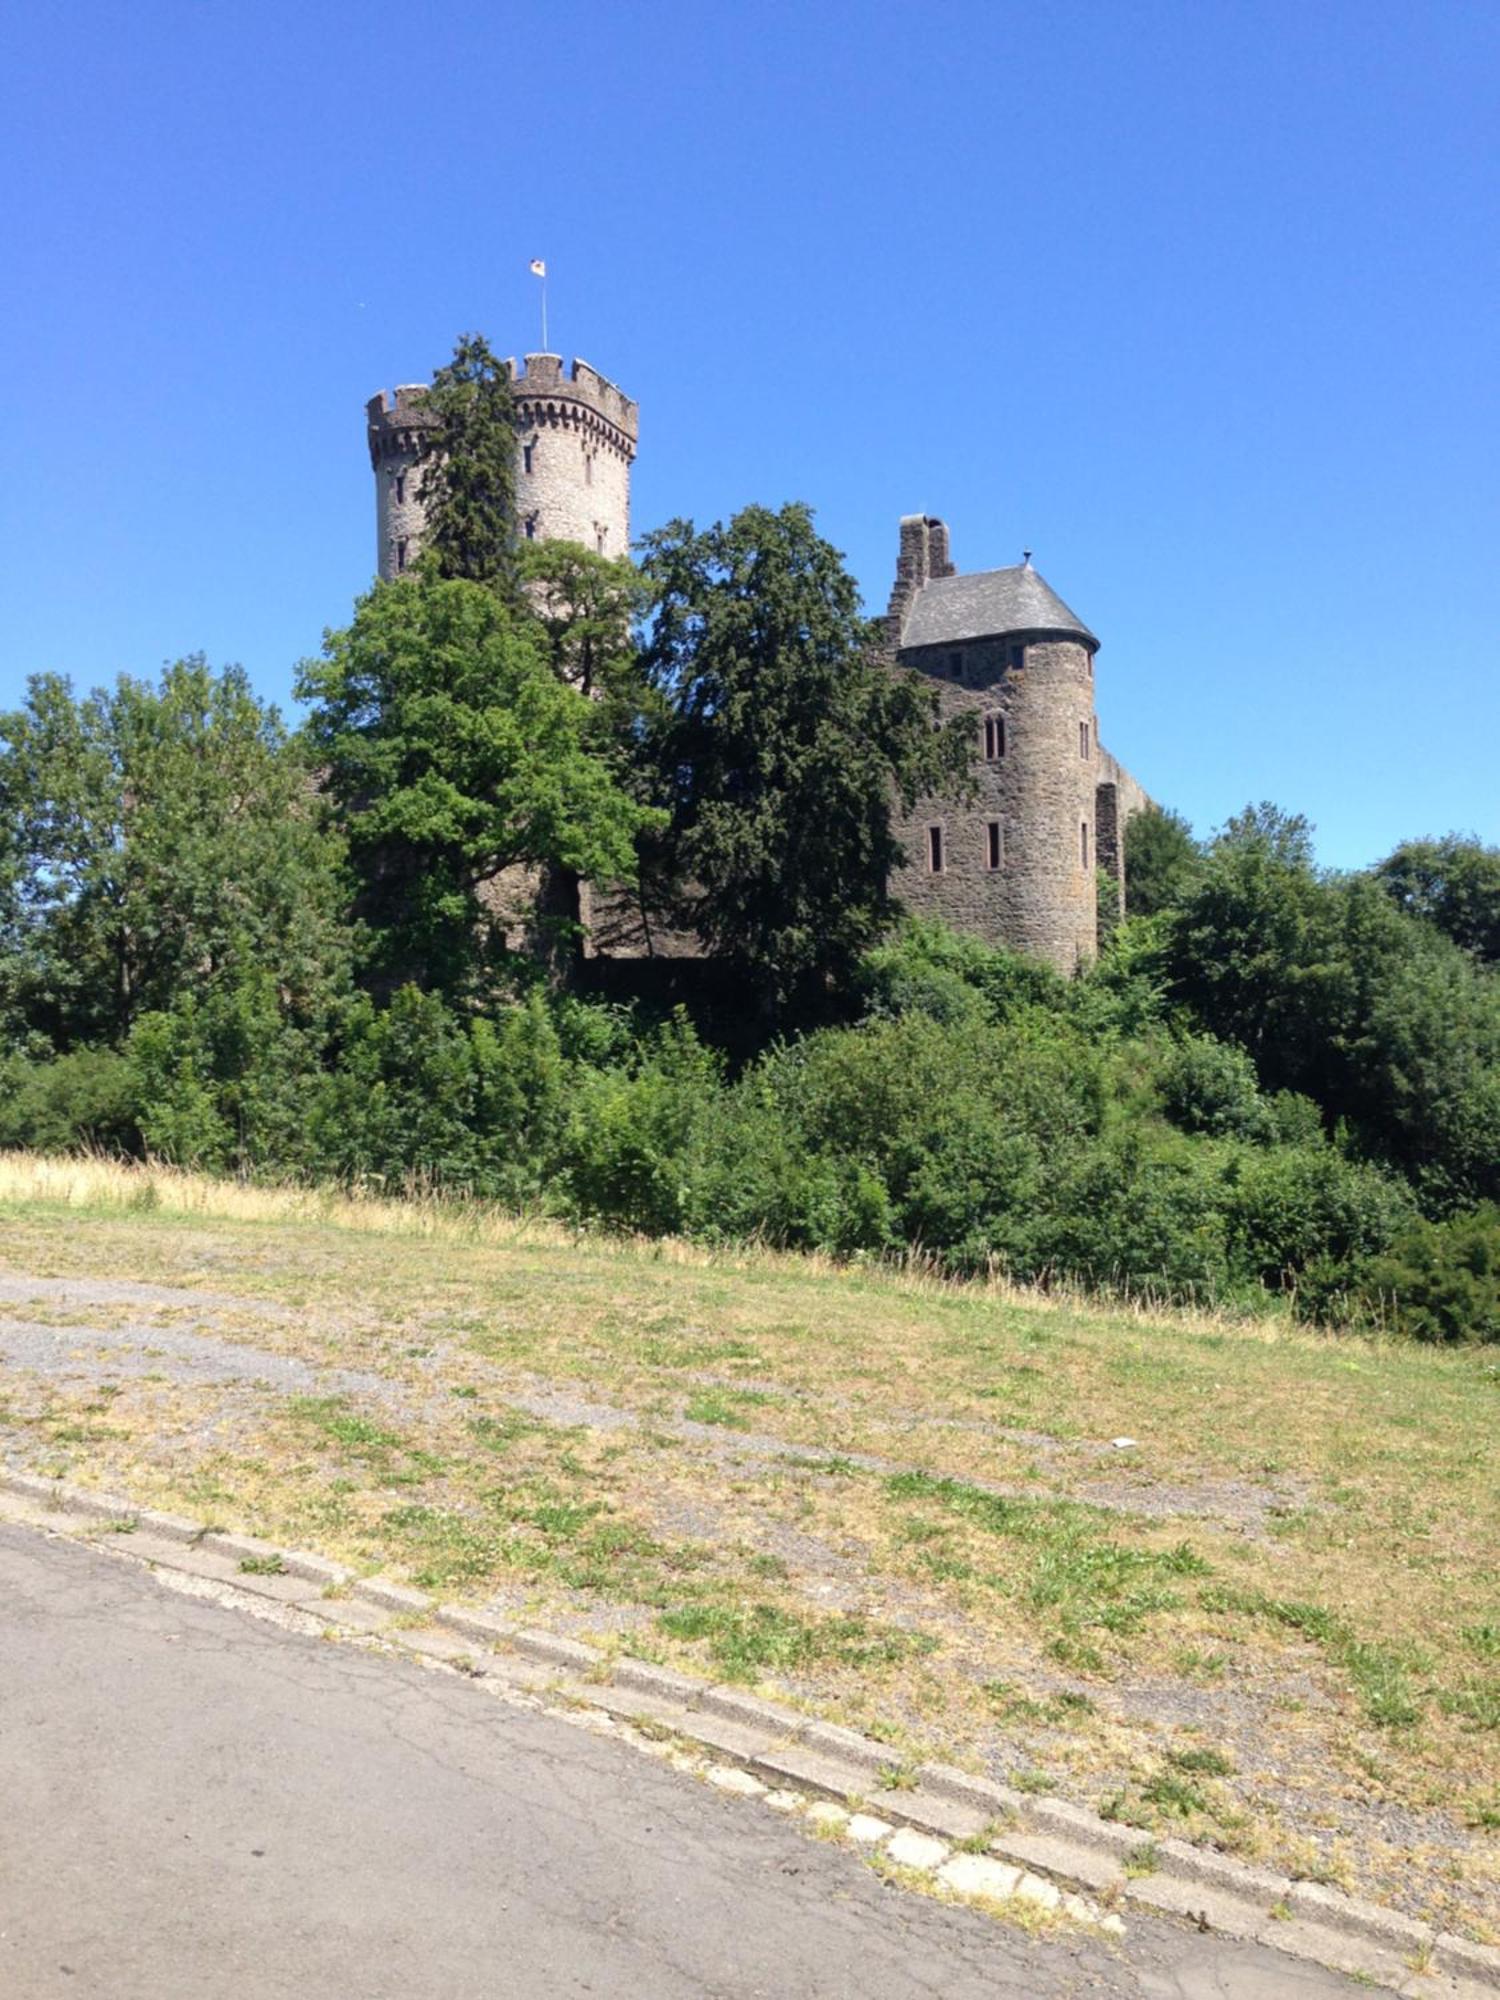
(194, 1804)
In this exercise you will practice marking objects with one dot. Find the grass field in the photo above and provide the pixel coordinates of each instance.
(1235, 1582)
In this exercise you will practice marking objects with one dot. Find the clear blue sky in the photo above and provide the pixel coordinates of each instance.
(1198, 301)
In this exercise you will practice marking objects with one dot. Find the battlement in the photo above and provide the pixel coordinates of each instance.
(392, 417)
(544, 377)
(405, 401)
(545, 391)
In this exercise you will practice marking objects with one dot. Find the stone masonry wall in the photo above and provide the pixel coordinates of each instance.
(1040, 790)
(576, 437)
(394, 426)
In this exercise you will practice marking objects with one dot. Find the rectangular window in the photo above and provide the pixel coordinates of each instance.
(401, 553)
(994, 738)
(588, 468)
(531, 527)
(1083, 842)
(1016, 658)
(935, 849)
(994, 846)
(400, 487)
(528, 458)
(1083, 739)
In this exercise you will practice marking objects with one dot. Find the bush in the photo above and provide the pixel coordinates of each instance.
(84, 1100)
(1289, 1209)
(625, 1153)
(1209, 1086)
(1439, 1281)
(422, 1092)
(928, 969)
(1137, 1223)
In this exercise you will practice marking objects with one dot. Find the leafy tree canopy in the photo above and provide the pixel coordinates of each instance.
(1336, 994)
(1162, 861)
(467, 466)
(784, 746)
(156, 838)
(1453, 883)
(455, 752)
(589, 607)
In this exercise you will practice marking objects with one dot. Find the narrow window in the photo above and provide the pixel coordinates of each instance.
(1083, 842)
(1083, 739)
(588, 468)
(599, 534)
(994, 850)
(400, 487)
(401, 553)
(935, 849)
(528, 457)
(1016, 658)
(994, 738)
(531, 527)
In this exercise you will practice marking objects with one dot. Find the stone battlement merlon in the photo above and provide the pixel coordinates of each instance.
(544, 375)
(392, 415)
(543, 379)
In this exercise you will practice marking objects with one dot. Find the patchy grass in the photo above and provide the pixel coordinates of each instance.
(1273, 1622)
(747, 1642)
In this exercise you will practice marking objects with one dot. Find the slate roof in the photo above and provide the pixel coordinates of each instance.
(951, 608)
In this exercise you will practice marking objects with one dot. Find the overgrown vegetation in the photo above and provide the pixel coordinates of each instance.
(276, 953)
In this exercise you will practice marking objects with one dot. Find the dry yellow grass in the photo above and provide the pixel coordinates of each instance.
(1271, 1621)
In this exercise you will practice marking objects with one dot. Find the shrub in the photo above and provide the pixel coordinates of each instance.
(1209, 1086)
(85, 1099)
(1439, 1281)
(625, 1152)
(1289, 1209)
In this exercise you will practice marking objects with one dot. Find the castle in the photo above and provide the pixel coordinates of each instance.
(1016, 864)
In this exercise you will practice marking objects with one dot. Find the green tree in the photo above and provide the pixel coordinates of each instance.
(588, 606)
(1386, 1024)
(156, 839)
(784, 747)
(1162, 861)
(1453, 883)
(467, 466)
(454, 753)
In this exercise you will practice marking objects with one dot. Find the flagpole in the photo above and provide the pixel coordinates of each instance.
(545, 348)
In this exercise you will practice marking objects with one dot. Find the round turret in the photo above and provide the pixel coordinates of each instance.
(575, 440)
(1016, 864)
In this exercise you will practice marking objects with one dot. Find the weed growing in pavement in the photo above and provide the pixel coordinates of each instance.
(898, 1778)
(1142, 1860)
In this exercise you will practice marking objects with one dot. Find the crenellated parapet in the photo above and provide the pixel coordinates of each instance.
(576, 435)
(394, 419)
(549, 396)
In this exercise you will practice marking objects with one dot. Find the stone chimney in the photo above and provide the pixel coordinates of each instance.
(923, 555)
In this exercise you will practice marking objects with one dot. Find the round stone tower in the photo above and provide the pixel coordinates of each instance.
(1016, 864)
(575, 440)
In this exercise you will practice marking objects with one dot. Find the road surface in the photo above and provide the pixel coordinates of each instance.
(195, 1805)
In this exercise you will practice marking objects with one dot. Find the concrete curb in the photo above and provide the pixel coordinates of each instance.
(783, 1748)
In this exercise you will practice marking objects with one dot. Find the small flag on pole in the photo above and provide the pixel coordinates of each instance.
(538, 268)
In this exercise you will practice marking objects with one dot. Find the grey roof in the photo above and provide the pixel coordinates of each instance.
(950, 608)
